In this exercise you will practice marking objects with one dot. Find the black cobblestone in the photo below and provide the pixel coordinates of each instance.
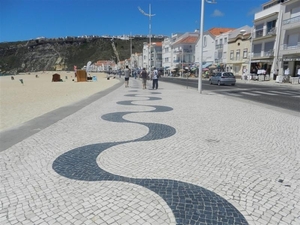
(190, 204)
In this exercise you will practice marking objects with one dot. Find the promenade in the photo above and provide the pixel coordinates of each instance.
(165, 156)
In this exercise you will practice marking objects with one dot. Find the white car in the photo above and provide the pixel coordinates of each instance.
(223, 78)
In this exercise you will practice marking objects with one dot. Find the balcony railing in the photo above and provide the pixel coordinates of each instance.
(268, 53)
(272, 31)
(236, 58)
(290, 47)
(256, 55)
(291, 20)
(179, 61)
(219, 46)
(259, 33)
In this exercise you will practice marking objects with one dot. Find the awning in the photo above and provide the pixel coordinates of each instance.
(290, 59)
(206, 65)
(261, 60)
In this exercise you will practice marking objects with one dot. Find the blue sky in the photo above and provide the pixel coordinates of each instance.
(29, 19)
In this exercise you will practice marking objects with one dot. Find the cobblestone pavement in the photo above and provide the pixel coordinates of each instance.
(165, 156)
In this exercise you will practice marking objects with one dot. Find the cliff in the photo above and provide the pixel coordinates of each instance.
(63, 53)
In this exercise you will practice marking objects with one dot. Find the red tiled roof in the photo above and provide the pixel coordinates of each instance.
(156, 43)
(217, 30)
(188, 40)
(100, 62)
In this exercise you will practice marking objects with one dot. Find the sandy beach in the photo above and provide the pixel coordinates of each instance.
(36, 96)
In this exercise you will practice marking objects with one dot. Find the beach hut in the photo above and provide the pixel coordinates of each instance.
(56, 77)
(81, 75)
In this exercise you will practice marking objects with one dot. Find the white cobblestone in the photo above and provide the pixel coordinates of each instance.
(240, 157)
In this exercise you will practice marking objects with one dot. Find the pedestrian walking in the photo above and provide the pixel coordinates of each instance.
(127, 74)
(155, 78)
(144, 76)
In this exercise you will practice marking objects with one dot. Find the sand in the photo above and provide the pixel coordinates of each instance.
(20, 103)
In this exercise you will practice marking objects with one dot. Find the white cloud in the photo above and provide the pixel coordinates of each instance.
(217, 13)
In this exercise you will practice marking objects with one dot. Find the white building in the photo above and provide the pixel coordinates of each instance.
(266, 36)
(167, 51)
(213, 46)
(183, 50)
(152, 55)
(288, 54)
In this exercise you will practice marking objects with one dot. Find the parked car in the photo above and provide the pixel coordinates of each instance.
(223, 78)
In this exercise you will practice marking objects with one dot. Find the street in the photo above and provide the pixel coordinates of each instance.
(282, 96)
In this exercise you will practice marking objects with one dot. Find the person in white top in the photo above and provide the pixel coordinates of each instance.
(155, 78)
(127, 74)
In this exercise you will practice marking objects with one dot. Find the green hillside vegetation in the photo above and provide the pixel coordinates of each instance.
(63, 54)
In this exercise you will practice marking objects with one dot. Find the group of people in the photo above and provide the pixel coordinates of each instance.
(154, 75)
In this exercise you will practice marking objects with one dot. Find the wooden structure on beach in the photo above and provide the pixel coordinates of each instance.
(56, 77)
(81, 75)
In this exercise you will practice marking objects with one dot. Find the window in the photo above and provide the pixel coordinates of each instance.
(221, 41)
(271, 26)
(245, 53)
(231, 55)
(257, 50)
(269, 46)
(216, 42)
(237, 54)
(292, 40)
(295, 12)
(259, 30)
(204, 41)
(225, 40)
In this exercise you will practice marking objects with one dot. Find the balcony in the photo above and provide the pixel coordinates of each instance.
(269, 53)
(220, 46)
(289, 49)
(272, 31)
(259, 33)
(237, 60)
(291, 20)
(256, 55)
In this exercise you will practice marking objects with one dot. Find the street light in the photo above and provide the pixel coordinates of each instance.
(201, 45)
(155, 54)
(130, 38)
(181, 62)
(149, 51)
(250, 53)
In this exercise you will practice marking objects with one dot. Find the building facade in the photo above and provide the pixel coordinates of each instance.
(265, 39)
(238, 51)
(213, 47)
(184, 51)
(288, 60)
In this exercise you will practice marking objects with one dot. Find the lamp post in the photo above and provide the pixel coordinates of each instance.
(181, 62)
(155, 54)
(130, 38)
(250, 54)
(201, 45)
(149, 49)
